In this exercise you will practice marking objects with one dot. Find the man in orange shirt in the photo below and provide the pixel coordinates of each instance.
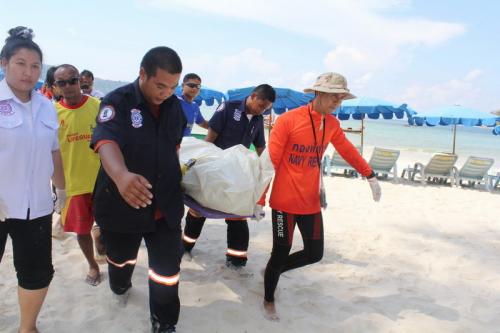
(296, 147)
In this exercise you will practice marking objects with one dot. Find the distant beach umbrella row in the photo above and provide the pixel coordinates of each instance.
(454, 115)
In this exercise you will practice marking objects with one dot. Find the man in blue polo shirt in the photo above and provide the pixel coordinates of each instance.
(234, 122)
(191, 85)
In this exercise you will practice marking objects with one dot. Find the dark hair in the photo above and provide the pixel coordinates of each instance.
(19, 38)
(265, 92)
(49, 76)
(87, 73)
(161, 57)
(191, 76)
(68, 66)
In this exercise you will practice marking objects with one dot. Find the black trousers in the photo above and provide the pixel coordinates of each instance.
(311, 229)
(238, 237)
(164, 248)
(32, 249)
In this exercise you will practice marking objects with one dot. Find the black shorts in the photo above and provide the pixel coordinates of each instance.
(32, 249)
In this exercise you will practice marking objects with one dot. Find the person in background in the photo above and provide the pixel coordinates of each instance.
(77, 118)
(29, 159)
(87, 84)
(234, 122)
(296, 146)
(138, 189)
(48, 89)
(191, 85)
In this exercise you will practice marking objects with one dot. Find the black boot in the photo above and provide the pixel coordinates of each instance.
(157, 327)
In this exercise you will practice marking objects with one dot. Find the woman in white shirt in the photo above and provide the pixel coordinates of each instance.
(29, 158)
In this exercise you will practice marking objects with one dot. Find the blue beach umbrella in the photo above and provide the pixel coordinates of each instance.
(286, 99)
(496, 130)
(209, 96)
(454, 115)
(361, 107)
(358, 108)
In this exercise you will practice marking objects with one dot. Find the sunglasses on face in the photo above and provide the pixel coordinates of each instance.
(193, 85)
(63, 83)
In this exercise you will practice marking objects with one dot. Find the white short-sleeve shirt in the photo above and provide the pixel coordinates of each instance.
(28, 136)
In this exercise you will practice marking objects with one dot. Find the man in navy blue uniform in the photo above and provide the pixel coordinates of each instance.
(191, 85)
(234, 122)
(138, 189)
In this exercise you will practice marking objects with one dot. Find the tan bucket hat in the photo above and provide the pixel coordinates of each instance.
(332, 83)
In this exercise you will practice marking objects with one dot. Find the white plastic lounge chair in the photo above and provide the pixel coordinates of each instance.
(337, 162)
(493, 181)
(475, 170)
(383, 162)
(438, 170)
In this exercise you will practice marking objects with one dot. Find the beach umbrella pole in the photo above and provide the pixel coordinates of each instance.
(362, 133)
(454, 136)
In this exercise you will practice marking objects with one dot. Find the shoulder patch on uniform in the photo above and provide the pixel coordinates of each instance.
(106, 114)
(221, 106)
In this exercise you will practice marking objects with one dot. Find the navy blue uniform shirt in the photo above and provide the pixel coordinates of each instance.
(232, 126)
(149, 147)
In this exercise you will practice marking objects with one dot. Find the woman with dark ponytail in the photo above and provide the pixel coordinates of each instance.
(29, 159)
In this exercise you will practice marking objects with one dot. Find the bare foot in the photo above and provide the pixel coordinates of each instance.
(270, 311)
(188, 256)
(93, 277)
(34, 330)
(121, 300)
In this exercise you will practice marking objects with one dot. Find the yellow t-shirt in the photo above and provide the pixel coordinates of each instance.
(80, 163)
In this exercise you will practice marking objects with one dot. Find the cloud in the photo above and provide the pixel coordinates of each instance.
(336, 21)
(464, 91)
(365, 38)
(244, 68)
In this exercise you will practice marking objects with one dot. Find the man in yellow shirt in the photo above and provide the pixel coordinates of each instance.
(77, 118)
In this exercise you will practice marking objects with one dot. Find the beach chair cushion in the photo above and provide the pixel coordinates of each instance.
(440, 165)
(384, 160)
(475, 168)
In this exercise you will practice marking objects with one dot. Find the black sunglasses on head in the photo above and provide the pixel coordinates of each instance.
(193, 85)
(63, 83)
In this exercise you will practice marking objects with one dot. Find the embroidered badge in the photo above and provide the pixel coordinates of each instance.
(106, 114)
(237, 115)
(6, 109)
(136, 117)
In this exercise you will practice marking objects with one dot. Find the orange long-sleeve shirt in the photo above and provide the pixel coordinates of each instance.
(292, 149)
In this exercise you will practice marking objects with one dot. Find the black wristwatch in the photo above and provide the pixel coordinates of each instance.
(373, 174)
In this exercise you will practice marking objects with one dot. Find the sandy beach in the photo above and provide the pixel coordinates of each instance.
(424, 259)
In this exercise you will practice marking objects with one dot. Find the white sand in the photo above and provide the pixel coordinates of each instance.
(424, 259)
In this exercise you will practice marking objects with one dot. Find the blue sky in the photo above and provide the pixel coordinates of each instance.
(424, 53)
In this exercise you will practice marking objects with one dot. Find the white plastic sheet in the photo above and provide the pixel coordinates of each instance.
(230, 181)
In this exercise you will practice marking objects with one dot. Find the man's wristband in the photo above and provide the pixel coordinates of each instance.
(373, 174)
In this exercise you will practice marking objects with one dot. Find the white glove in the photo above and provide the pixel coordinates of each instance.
(60, 200)
(375, 187)
(258, 213)
(3, 210)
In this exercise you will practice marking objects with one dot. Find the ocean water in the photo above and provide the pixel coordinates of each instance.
(398, 134)
(421, 141)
